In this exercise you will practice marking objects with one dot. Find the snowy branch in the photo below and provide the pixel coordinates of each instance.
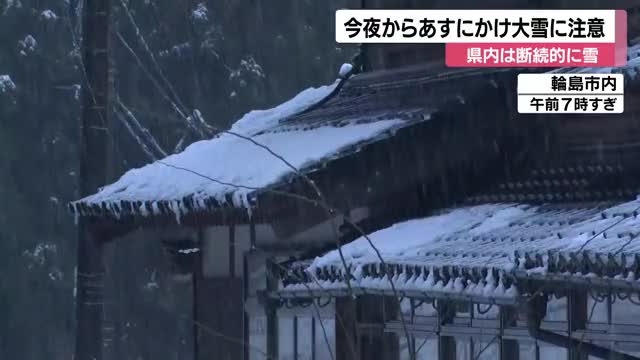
(141, 135)
(180, 145)
(147, 136)
(171, 94)
(135, 135)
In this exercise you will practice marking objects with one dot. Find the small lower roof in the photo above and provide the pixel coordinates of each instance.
(485, 250)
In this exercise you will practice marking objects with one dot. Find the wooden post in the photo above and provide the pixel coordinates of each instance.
(509, 349)
(345, 321)
(196, 279)
(412, 345)
(232, 250)
(90, 295)
(446, 348)
(271, 312)
(219, 310)
(245, 313)
(92, 174)
(446, 344)
(295, 338)
(246, 331)
(577, 318)
(472, 316)
(313, 337)
(376, 344)
(390, 311)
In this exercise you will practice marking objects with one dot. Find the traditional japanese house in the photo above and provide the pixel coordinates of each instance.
(407, 212)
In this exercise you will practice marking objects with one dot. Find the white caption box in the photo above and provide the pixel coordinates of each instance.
(568, 104)
(345, 16)
(542, 83)
(564, 93)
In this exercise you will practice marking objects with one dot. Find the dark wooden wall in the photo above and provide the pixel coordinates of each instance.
(592, 138)
(220, 318)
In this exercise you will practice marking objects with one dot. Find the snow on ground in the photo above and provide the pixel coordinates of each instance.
(6, 84)
(231, 159)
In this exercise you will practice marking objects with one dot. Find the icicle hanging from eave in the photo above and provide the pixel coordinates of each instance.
(174, 206)
(76, 213)
(143, 209)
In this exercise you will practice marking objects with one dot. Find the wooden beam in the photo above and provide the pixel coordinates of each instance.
(626, 336)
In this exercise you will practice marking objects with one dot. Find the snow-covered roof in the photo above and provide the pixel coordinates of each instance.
(229, 168)
(484, 250)
(315, 127)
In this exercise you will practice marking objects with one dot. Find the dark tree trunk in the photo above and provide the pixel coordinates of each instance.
(93, 161)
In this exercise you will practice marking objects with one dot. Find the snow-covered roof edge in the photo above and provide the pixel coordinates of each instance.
(248, 125)
(493, 278)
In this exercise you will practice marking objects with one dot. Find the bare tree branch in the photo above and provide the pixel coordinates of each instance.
(134, 134)
(145, 45)
(148, 137)
(180, 112)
